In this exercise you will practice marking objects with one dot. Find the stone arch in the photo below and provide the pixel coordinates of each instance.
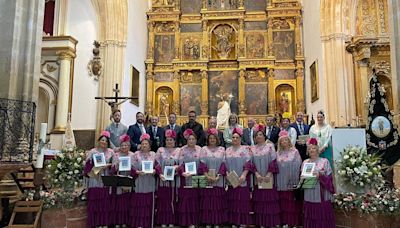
(47, 103)
(112, 20)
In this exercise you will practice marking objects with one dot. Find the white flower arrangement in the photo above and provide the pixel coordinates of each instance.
(65, 170)
(360, 169)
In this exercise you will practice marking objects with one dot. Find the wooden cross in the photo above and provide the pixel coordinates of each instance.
(114, 102)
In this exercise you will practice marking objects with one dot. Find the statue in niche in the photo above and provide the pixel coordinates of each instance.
(164, 105)
(191, 49)
(224, 109)
(223, 47)
(284, 102)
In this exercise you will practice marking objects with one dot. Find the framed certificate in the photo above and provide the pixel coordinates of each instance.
(190, 168)
(124, 164)
(169, 173)
(147, 166)
(308, 170)
(99, 160)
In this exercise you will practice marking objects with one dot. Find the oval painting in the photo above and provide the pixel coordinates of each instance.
(380, 126)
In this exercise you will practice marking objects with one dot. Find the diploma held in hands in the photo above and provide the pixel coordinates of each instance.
(124, 164)
(147, 166)
(233, 179)
(190, 168)
(169, 173)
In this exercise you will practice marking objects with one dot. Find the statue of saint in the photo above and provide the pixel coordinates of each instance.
(224, 109)
(164, 105)
(284, 103)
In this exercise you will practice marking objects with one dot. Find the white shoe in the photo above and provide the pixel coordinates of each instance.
(170, 225)
(163, 225)
(216, 226)
(208, 226)
(234, 226)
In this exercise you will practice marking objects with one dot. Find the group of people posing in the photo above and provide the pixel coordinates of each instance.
(257, 155)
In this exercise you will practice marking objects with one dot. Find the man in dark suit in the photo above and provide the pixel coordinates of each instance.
(271, 130)
(136, 130)
(248, 133)
(212, 123)
(301, 129)
(172, 125)
(156, 134)
(196, 127)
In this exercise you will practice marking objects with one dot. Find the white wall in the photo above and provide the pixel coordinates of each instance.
(135, 55)
(313, 51)
(82, 25)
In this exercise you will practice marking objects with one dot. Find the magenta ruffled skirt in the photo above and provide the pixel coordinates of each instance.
(99, 207)
(290, 208)
(165, 206)
(121, 208)
(213, 207)
(188, 206)
(319, 215)
(239, 206)
(266, 207)
(141, 210)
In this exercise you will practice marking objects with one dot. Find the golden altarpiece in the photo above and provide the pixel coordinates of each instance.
(204, 55)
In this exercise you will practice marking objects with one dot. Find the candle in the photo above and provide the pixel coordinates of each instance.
(43, 132)
(39, 159)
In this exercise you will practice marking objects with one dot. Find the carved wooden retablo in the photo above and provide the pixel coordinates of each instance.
(219, 56)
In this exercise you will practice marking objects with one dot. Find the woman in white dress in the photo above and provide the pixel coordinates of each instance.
(233, 123)
(323, 132)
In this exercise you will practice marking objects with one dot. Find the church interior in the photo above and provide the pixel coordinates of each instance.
(67, 65)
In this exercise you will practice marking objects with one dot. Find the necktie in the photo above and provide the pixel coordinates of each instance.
(142, 128)
(116, 125)
(301, 129)
(154, 131)
(251, 137)
(171, 127)
(269, 132)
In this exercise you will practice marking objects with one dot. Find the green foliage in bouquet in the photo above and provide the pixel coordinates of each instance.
(360, 169)
(65, 170)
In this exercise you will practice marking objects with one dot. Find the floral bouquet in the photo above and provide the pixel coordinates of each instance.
(346, 201)
(65, 170)
(359, 169)
(53, 199)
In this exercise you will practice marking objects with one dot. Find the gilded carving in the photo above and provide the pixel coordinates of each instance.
(190, 77)
(230, 46)
(223, 35)
(165, 27)
(280, 23)
(255, 76)
(191, 48)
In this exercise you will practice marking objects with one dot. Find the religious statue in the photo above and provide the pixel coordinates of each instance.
(191, 49)
(284, 103)
(164, 105)
(94, 66)
(223, 47)
(224, 109)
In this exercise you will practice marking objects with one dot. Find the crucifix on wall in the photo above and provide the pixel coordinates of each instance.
(114, 101)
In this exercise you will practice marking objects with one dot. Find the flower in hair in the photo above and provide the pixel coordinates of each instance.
(259, 127)
(144, 137)
(170, 134)
(105, 134)
(188, 132)
(283, 133)
(124, 138)
(212, 131)
(312, 141)
(238, 131)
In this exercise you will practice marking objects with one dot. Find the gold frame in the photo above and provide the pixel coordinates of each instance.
(314, 81)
